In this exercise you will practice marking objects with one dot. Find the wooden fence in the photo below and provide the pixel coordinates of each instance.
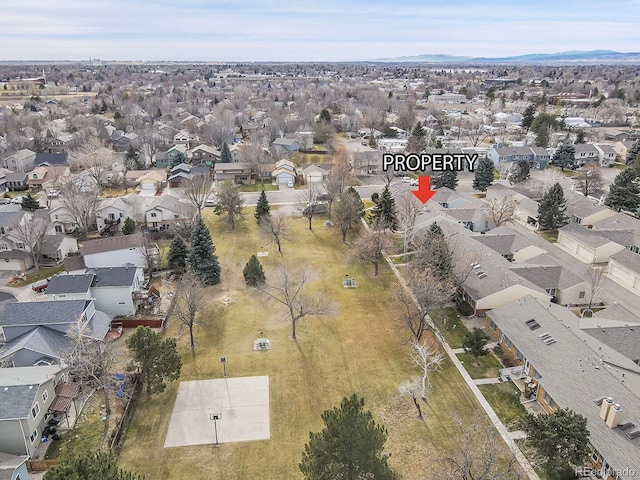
(41, 465)
(127, 415)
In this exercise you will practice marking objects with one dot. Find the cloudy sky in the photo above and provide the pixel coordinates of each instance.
(331, 30)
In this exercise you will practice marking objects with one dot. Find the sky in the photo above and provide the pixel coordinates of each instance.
(331, 30)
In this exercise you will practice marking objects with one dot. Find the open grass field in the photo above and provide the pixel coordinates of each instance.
(358, 349)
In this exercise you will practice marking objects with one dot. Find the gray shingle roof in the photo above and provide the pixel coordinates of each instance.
(10, 219)
(41, 313)
(624, 340)
(76, 283)
(628, 259)
(16, 401)
(576, 370)
(548, 276)
(113, 276)
(598, 238)
(9, 462)
(43, 340)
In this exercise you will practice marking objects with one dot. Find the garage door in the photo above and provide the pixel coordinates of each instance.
(585, 253)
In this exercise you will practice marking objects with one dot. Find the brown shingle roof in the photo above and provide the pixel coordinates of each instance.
(111, 243)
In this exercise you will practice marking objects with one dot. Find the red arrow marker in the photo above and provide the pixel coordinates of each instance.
(424, 192)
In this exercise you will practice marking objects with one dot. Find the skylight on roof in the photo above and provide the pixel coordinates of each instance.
(532, 324)
(547, 338)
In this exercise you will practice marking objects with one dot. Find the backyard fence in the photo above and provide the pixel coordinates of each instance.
(129, 410)
(41, 465)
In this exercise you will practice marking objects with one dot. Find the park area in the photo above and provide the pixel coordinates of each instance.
(359, 348)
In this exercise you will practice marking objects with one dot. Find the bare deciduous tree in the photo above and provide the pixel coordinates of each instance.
(500, 210)
(230, 203)
(190, 297)
(79, 207)
(408, 208)
(411, 389)
(589, 179)
(595, 279)
(307, 201)
(479, 454)
(198, 189)
(256, 156)
(371, 244)
(31, 232)
(274, 228)
(347, 212)
(95, 160)
(92, 361)
(427, 359)
(289, 288)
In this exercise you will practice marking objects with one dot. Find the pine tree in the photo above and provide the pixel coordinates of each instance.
(350, 446)
(483, 177)
(475, 343)
(201, 257)
(30, 204)
(178, 253)
(527, 117)
(520, 172)
(565, 156)
(580, 138)
(263, 209)
(225, 154)
(433, 255)
(384, 213)
(417, 139)
(551, 208)
(358, 200)
(623, 192)
(129, 226)
(177, 159)
(447, 179)
(253, 272)
(90, 465)
(632, 153)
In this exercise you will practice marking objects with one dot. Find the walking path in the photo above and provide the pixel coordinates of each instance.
(486, 381)
(502, 430)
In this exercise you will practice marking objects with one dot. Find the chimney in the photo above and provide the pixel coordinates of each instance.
(604, 408)
(615, 416)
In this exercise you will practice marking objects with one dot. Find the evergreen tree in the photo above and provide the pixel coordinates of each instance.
(475, 343)
(225, 154)
(90, 466)
(129, 226)
(201, 257)
(325, 116)
(385, 213)
(349, 447)
(521, 172)
(178, 253)
(623, 192)
(263, 209)
(358, 201)
(565, 156)
(417, 139)
(433, 254)
(30, 204)
(632, 153)
(253, 272)
(447, 179)
(483, 177)
(131, 161)
(177, 159)
(528, 116)
(157, 358)
(551, 208)
(543, 136)
(580, 138)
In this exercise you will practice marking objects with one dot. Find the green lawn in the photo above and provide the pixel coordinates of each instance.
(85, 437)
(505, 400)
(489, 365)
(549, 236)
(360, 349)
(450, 325)
(257, 187)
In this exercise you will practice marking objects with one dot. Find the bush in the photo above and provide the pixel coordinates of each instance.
(498, 352)
(507, 361)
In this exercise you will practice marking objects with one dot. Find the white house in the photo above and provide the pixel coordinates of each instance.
(166, 213)
(114, 251)
(593, 246)
(285, 172)
(624, 269)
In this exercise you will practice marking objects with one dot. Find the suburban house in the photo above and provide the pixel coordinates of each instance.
(537, 157)
(287, 145)
(113, 289)
(114, 251)
(448, 98)
(21, 161)
(368, 162)
(167, 213)
(616, 327)
(51, 159)
(393, 145)
(525, 209)
(606, 154)
(150, 182)
(13, 467)
(26, 396)
(621, 148)
(586, 153)
(447, 198)
(315, 173)
(204, 155)
(564, 287)
(182, 174)
(35, 332)
(16, 181)
(112, 212)
(237, 173)
(584, 210)
(510, 244)
(184, 138)
(593, 246)
(284, 172)
(624, 269)
(565, 367)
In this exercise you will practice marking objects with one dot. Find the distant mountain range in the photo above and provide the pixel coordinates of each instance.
(561, 58)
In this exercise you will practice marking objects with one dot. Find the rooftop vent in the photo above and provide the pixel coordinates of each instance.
(532, 324)
(615, 416)
(547, 338)
(480, 274)
(475, 266)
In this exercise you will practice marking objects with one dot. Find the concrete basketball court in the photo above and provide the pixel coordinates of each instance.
(242, 403)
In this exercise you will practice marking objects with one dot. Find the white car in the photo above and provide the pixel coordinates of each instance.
(53, 193)
(406, 179)
(414, 182)
(18, 200)
(290, 184)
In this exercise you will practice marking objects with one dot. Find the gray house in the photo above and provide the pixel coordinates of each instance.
(537, 157)
(35, 332)
(26, 395)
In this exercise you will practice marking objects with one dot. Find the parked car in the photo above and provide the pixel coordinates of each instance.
(4, 201)
(414, 182)
(18, 200)
(406, 179)
(40, 285)
(53, 193)
(290, 184)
